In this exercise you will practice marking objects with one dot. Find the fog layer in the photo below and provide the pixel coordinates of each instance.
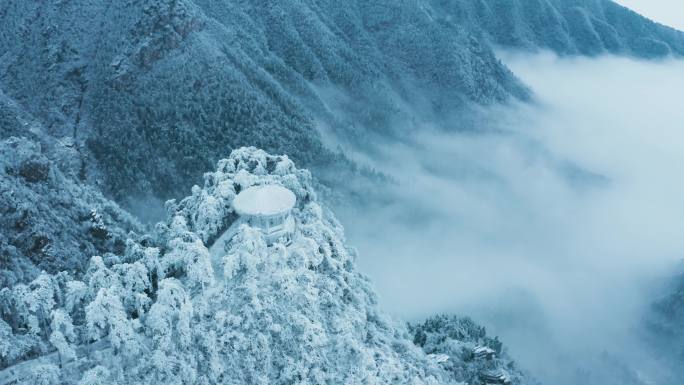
(550, 222)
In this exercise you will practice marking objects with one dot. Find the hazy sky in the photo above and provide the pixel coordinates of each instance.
(669, 12)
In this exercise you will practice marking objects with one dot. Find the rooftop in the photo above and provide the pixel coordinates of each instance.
(264, 200)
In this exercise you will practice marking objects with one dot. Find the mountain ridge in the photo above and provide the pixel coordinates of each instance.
(585, 27)
(141, 85)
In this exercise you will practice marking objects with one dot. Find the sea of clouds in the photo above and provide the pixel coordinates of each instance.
(552, 223)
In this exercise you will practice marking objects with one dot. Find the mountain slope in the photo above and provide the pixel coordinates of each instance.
(567, 27)
(155, 90)
(50, 222)
(159, 89)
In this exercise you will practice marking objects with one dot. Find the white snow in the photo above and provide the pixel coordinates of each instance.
(264, 200)
(439, 358)
(218, 250)
(484, 350)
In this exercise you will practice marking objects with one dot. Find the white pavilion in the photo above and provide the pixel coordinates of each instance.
(268, 208)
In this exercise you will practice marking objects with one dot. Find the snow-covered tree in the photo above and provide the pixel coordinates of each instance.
(98, 275)
(63, 336)
(106, 316)
(169, 318)
(46, 374)
(98, 375)
(75, 298)
(8, 343)
(190, 257)
(40, 301)
(133, 283)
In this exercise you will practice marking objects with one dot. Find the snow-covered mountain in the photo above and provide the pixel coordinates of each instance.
(130, 99)
(155, 90)
(182, 309)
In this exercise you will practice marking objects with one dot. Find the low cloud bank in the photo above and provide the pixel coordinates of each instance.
(550, 223)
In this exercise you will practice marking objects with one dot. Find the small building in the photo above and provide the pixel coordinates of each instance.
(268, 208)
(484, 352)
(495, 377)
